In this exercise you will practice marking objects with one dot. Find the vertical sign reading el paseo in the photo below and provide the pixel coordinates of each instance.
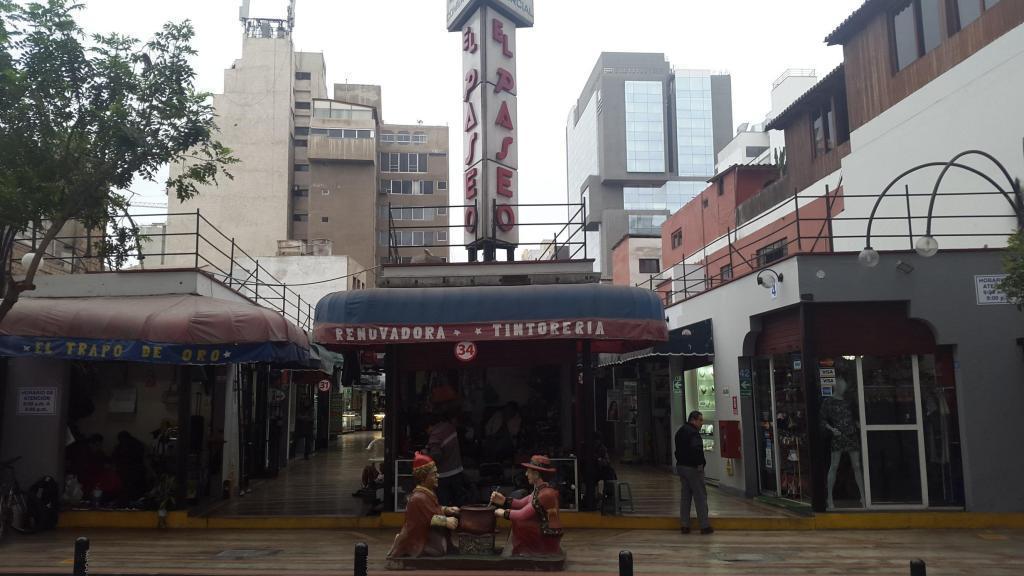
(491, 162)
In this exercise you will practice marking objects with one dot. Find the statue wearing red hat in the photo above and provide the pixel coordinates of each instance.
(425, 532)
(536, 527)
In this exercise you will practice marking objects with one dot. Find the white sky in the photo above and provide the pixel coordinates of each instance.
(403, 46)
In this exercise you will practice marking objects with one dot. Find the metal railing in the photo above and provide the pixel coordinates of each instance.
(196, 244)
(787, 230)
(567, 243)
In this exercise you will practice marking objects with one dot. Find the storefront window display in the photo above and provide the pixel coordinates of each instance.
(791, 428)
(706, 404)
(840, 424)
(941, 431)
(764, 413)
(890, 411)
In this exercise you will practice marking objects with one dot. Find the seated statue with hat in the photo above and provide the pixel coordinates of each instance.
(427, 523)
(536, 527)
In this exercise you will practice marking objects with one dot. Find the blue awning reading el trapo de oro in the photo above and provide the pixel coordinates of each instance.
(160, 329)
(614, 318)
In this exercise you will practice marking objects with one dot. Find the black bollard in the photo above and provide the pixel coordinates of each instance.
(362, 552)
(81, 556)
(625, 563)
(917, 568)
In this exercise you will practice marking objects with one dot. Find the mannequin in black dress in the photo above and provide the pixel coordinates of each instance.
(838, 418)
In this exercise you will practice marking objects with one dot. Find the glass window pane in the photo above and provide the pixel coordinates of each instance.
(931, 22)
(403, 165)
(791, 425)
(423, 163)
(905, 33)
(893, 459)
(840, 423)
(969, 11)
(942, 454)
(889, 390)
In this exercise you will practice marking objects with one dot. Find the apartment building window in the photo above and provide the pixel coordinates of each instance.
(302, 131)
(726, 272)
(821, 125)
(403, 137)
(963, 12)
(324, 219)
(677, 238)
(410, 237)
(407, 213)
(302, 105)
(300, 217)
(916, 30)
(387, 137)
(427, 186)
(340, 111)
(301, 143)
(441, 211)
(649, 266)
(300, 192)
(303, 76)
(302, 167)
(419, 137)
(772, 253)
(403, 162)
(442, 236)
(442, 184)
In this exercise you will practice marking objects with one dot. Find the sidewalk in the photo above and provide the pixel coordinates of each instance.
(329, 552)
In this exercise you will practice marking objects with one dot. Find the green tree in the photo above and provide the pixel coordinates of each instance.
(1013, 264)
(81, 117)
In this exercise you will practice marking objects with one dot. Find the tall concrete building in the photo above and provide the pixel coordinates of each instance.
(309, 178)
(640, 142)
(413, 163)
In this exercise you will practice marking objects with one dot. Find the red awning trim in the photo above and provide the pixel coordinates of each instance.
(642, 331)
(174, 318)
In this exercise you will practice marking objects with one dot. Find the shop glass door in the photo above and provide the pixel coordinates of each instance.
(892, 431)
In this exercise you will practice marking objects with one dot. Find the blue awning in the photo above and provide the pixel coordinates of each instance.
(616, 318)
(694, 340)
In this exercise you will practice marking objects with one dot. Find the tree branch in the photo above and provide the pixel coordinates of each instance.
(14, 289)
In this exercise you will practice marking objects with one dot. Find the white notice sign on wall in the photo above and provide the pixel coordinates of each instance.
(988, 291)
(37, 402)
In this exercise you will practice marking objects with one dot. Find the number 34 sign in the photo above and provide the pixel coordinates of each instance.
(465, 351)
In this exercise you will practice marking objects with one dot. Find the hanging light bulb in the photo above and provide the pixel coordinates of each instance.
(927, 246)
(868, 257)
(26, 260)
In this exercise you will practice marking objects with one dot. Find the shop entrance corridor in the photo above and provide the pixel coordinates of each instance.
(656, 492)
(320, 486)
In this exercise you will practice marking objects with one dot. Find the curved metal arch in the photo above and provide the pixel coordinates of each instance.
(947, 165)
(951, 163)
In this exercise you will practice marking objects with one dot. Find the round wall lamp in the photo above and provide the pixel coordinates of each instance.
(769, 278)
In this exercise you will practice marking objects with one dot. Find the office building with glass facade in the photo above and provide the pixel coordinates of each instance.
(641, 142)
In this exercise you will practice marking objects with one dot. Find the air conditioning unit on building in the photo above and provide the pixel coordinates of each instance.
(321, 247)
(290, 247)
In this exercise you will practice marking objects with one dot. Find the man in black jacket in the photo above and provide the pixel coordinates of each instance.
(690, 467)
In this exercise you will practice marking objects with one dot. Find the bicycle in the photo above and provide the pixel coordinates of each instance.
(15, 505)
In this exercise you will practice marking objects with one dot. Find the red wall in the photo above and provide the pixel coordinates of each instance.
(620, 264)
(702, 225)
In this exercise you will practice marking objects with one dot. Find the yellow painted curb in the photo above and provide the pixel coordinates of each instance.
(571, 520)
